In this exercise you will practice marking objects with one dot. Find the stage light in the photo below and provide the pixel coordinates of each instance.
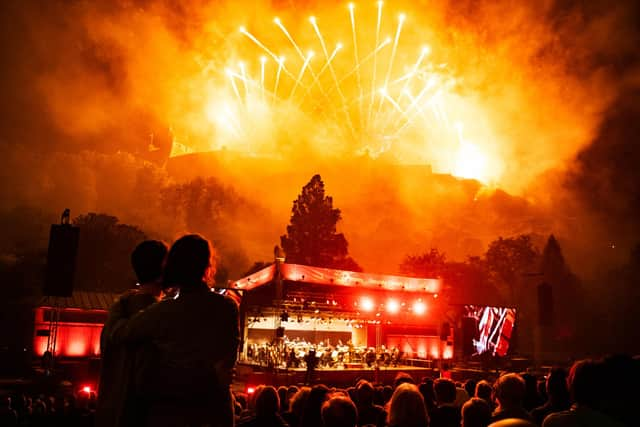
(251, 390)
(86, 389)
(419, 307)
(366, 304)
(393, 306)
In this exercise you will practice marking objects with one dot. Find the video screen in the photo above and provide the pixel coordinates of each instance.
(494, 326)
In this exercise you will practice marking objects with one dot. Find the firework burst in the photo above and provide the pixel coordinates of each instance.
(354, 80)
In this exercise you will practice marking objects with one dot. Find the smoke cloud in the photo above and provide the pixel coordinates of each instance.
(97, 93)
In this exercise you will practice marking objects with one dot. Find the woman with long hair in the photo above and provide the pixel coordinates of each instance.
(406, 408)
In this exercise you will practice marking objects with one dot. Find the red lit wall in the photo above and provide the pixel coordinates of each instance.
(73, 340)
(415, 342)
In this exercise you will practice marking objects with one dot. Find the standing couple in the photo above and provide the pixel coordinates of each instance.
(169, 363)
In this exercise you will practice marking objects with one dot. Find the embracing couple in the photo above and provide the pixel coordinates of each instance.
(169, 361)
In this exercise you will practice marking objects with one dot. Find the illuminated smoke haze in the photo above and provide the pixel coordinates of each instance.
(94, 88)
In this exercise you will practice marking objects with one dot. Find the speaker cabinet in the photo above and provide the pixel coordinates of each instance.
(61, 260)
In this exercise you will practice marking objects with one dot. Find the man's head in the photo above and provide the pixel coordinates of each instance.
(510, 390)
(147, 260)
(484, 390)
(476, 413)
(445, 391)
(189, 261)
(339, 411)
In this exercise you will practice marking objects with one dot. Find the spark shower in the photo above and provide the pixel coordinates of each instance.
(368, 81)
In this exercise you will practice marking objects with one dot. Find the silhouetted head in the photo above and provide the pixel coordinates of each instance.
(510, 390)
(403, 378)
(445, 391)
(429, 395)
(387, 391)
(339, 411)
(147, 260)
(189, 262)
(586, 379)
(531, 398)
(311, 414)
(364, 393)
(267, 402)
(407, 408)
(470, 387)
(476, 412)
(484, 390)
(299, 401)
(284, 398)
(557, 388)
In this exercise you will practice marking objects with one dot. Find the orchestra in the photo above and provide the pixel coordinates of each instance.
(287, 354)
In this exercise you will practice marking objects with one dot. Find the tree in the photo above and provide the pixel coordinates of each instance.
(553, 263)
(104, 252)
(565, 289)
(512, 257)
(430, 264)
(465, 282)
(311, 237)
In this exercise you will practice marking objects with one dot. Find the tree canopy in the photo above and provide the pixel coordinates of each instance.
(104, 253)
(312, 237)
(511, 257)
(464, 282)
(429, 264)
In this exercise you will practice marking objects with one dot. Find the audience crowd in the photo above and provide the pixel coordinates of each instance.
(591, 393)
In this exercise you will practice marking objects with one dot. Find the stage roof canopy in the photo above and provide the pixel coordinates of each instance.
(328, 277)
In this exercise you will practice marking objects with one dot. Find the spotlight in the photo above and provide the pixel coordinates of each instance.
(419, 307)
(366, 304)
(393, 306)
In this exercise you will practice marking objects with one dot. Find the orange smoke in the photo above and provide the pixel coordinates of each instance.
(509, 92)
(485, 93)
